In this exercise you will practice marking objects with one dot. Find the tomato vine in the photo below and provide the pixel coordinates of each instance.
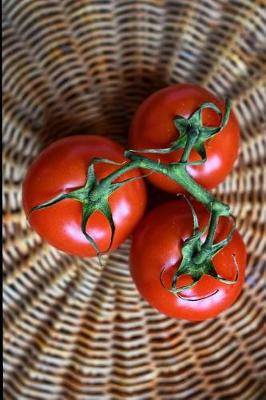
(94, 195)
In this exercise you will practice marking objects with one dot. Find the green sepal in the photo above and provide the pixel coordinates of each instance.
(200, 148)
(106, 211)
(230, 282)
(91, 177)
(86, 214)
(88, 209)
(51, 202)
(220, 245)
(174, 146)
(194, 215)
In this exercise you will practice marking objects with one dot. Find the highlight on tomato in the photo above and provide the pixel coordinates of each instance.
(177, 271)
(63, 202)
(167, 118)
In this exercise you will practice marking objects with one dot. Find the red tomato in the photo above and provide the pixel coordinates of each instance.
(156, 250)
(62, 167)
(153, 127)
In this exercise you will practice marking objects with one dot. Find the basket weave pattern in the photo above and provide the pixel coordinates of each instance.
(71, 329)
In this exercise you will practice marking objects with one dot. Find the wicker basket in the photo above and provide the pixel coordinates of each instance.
(71, 329)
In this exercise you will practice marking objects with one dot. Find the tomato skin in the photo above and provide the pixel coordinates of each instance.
(61, 167)
(156, 246)
(153, 127)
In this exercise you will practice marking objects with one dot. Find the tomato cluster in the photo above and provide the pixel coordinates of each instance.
(159, 238)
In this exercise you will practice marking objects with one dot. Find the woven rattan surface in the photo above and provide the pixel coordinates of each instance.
(71, 329)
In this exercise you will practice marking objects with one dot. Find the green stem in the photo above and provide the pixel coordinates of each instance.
(176, 172)
(207, 245)
(192, 138)
(180, 175)
(117, 173)
(212, 228)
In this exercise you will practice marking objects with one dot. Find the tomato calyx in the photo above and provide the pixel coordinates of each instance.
(94, 196)
(193, 134)
(197, 256)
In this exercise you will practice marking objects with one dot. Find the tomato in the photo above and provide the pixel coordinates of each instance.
(156, 252)
(152, 127)
(62, 167)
